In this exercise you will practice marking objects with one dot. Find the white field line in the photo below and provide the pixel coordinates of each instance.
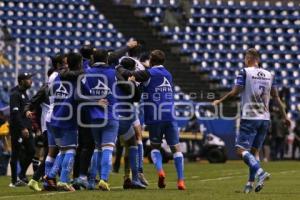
(152, 182)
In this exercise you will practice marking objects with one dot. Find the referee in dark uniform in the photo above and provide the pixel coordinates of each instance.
(22, 142)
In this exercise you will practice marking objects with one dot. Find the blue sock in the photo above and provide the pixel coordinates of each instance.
(106, 163)
(179, 165)
(140, 156)
(252, 173)
(157, 159)
(67, 166)
(133, 159)
(49, 162)
(94, 166)
(250, 160)
(57, 165)
(99, 159)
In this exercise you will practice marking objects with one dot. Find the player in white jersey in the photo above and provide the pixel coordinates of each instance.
(256, 86)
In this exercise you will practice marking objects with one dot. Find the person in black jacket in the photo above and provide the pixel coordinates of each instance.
(20, 129)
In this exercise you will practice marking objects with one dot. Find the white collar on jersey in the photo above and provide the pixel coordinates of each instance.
(157, 66)
(99, 63)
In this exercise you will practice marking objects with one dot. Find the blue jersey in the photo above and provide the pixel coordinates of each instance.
(86, 63)
(157, 96)
(64, 104)
(97, 84)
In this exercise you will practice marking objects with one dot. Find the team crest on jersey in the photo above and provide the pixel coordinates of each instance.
(62, 91)
(164, 87)
(100, 89)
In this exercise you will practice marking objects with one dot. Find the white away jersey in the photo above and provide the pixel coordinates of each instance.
(257, 83)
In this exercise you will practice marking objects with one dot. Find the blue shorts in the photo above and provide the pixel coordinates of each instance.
(63, 137)
(168, 129)
(106, 134)
(252, 133)
(126, 130)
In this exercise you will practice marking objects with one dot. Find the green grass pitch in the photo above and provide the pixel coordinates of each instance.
(204, 182)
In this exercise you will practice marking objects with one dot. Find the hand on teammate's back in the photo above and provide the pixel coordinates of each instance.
(29, 114)
(131, 78)
(103, 102)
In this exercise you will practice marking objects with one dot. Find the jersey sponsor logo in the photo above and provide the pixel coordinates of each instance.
(164, 87)
(261, 76)
(100, 89)
(62, 91)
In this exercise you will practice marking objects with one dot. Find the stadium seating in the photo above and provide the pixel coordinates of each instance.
(218, 33)
(45, 27)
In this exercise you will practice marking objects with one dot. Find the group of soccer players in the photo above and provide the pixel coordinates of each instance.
(88, 102)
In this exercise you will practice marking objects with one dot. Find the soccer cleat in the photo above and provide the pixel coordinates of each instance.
(103, 185)
(137, 185)
(261, 180)
(127, 183)
(25, 180)
(143, 179)
(181, 185)
(34, 185)
(248, 188)
(19, 183)
(161, 179)
(49, 184)
(11, 185)
(80, 183)
(65, 187)
(91, 185)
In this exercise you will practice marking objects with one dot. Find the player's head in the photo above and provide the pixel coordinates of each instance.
(59, 61)
(74, 61)
(24, 80)
(87, 51)
(128, 63)
(252, 57)
(144, 59)
(100, 55)
(157, 57)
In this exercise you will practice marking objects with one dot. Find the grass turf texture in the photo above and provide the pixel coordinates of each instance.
(203, 181)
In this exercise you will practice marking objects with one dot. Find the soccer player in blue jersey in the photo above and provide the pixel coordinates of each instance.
(256, 86)
(63, 122)
(97, 84)
(158, 103)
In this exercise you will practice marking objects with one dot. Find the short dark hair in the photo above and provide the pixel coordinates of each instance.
(87, 51)
(145, 56)
(100, 55)
(128, 63)
(57, 59)
(253, 54)
(157, 57)
(74, 61)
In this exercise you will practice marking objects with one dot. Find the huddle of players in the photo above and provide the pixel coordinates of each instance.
(89, 100)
